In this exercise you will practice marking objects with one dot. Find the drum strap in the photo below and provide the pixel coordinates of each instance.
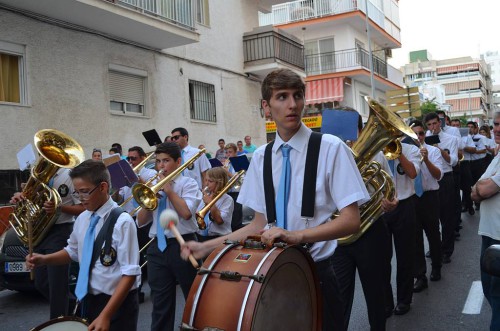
(309, 186)
(105, 236)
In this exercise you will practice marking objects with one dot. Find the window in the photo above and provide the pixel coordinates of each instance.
(320, 56)
(202, 12)
(363, 105)
(127, 90)
(13, 87)
(202, 101)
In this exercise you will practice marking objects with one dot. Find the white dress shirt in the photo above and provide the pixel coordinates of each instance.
(489, 222)
(145, 174)
(186, 188)
(450, 143)
(63, 184)
(468, 142)
(429, 183)
(338, 183)
(225, 205)
(124, 241)
(200, 165)
(480, 143)
(404, 184)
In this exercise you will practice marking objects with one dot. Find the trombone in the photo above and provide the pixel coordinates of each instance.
(200, 215)
(151, 180)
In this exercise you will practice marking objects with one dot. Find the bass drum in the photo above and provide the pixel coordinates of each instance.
(63, 323)
(247, 287)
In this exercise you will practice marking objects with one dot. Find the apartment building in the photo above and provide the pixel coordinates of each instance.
(104, 71)
(466, 82)
(338, 47)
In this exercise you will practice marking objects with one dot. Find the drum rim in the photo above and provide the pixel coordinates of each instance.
(58, 320)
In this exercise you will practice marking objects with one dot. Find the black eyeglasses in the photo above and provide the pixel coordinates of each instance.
(131, 158)
(176, 137)
(84, 195)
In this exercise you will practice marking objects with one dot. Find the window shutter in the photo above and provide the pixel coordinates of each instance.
(126, 88)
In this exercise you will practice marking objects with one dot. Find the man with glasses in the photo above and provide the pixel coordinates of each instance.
(427, 210)
(52, 281)
(200, 166)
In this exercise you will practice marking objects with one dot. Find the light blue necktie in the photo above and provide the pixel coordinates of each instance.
(207, 223)
(160, 232)
(51, 182)
(88, 247)
(419, 189)
(391, 166)
(284, 188)
(182, 160)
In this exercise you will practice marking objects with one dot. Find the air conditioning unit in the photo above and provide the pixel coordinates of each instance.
(388, 52)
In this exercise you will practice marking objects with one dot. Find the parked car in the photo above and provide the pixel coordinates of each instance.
(13, 272)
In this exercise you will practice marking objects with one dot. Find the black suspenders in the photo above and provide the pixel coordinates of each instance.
(309, 185)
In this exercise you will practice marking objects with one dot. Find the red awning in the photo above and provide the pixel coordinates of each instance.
(325, 90)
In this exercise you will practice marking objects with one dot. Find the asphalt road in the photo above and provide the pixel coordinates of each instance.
(440, 307)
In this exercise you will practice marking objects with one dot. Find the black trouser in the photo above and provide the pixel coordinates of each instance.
(125, 317)
(333, 305)
(369, 255)
(142, 240)
(401, 225)
(52, 281)
(458, 203)
(466, 183)
(165, 269)
(427, 219)
(477, 169)
(237, 219)
(447, 212)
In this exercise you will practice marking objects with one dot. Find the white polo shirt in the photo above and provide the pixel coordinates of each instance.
(225, 205)
(450, 143)
(404, 184)
(124, 241)
(63, 184)
(200, 165)
(468, 142)
(338, 183)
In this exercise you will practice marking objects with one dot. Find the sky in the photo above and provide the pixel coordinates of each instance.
(447, 28)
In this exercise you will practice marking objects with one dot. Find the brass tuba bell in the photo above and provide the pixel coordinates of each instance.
(383, 128)
(57, 150)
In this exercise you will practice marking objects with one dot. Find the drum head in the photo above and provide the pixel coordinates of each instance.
(288, 299)
(67, 323)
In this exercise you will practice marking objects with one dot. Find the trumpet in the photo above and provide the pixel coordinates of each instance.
(151, 180)
(146, 196)
(200, 215)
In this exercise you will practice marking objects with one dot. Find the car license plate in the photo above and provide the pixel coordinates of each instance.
(15, 267)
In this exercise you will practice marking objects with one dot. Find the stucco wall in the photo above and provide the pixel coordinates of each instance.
(68, 87)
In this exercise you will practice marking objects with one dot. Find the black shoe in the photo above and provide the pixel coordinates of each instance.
(388, 312)
(477, 207)
(435, 275)
(471, 210)
(420, 285)
(401, 309)
(428, 254)
(446, 259)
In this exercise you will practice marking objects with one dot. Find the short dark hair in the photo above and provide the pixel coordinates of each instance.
(281, 79)
(118, 147)
(440, 112)
(431, 116)
(137, 149)
(182, 131)
(170, 148)
(92, 171)
(222, 140)
(114, 150)
(455, 120)
(474, 124)
(416, 123)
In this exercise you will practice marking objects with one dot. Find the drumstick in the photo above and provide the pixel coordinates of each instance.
(168, 220)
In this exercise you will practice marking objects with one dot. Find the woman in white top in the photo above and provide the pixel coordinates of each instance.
(218, 218)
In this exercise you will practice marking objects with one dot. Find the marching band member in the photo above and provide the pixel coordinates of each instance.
(237, 218)
(108, 288)
(338, 186)
(165, 266)
(218, 218)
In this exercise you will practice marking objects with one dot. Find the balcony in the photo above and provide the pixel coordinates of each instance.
(320, 14)
(345, 60)
(266, 49)
(157, 24)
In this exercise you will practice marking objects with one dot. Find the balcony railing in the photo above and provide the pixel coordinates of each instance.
(351, 59)
(301, 10)
(179, 12)
(272, 45)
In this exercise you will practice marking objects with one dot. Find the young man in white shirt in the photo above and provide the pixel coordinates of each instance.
(338, 186)
(427, 210)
